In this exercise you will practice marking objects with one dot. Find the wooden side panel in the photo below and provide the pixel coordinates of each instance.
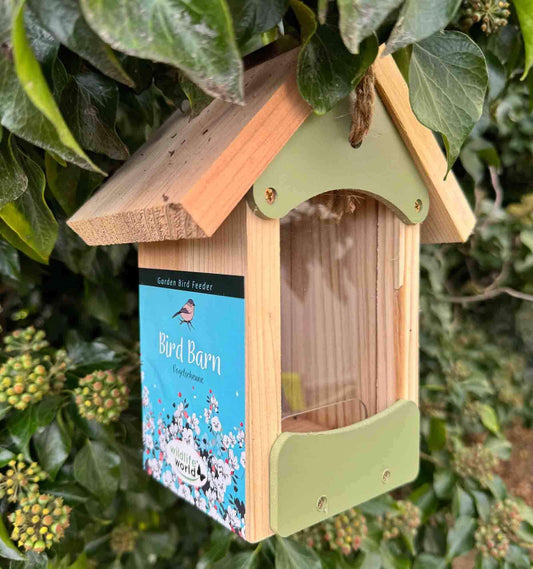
(450, 217)
(263, 383)
(249, 246)
(406, 317)
(388, 255)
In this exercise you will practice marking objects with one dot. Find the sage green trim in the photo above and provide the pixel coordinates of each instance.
(345, 466)
(318, 158)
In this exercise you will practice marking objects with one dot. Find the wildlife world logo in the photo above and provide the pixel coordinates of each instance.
(193, 390)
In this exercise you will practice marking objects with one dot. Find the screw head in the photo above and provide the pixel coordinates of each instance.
(322, 504)
(418, 206)
(270, 195)
(386, 476)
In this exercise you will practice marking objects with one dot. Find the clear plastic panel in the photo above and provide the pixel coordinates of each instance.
(328, 296)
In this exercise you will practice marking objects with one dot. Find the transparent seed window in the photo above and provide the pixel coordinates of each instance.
(328, 312)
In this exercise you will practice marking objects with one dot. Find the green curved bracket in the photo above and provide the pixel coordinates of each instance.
(316, 475)
(318, 158)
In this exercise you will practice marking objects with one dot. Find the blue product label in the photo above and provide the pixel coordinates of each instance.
(193, 389)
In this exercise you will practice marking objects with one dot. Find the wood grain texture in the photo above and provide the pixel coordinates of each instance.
(348, 333)
(184, 182)
(263, 367)
(249, 246)
(450, 218)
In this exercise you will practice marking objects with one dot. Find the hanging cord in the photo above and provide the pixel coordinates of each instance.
(333, 205)
(363, 99)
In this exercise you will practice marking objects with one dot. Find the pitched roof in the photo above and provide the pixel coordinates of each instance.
(184, 182)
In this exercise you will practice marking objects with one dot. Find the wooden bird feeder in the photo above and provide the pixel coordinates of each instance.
(279, 336)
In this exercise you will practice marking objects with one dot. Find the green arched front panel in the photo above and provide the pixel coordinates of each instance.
(318, 158)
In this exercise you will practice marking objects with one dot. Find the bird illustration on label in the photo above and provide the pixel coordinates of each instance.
(186, 313)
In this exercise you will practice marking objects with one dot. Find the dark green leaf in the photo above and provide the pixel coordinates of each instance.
(424, 497)
(5, 456)
(9, 261)
(427, 561)
(89, 105)
(293, 555)
(63, 19)
(462, 503)
(198, 100)
(52, 446)
(437, 434)
(243, 560)
(418, 20)
(447, 83)
(7, 547)
(217, 547)
(80, 563)
(327, 71)
(97, 469)
(460, 538)
(361, 18)
(22, 425)
(518, 557)
(29, 216)
(443, 483)
(196, 36)
(13, 180)
(253, 17)
(482, 504)
(524, 10)
(70, 185)
(33, 82)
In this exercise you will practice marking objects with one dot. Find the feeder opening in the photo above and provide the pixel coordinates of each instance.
(329, 266)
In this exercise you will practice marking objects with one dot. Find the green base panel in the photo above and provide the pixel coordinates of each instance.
(314, 476)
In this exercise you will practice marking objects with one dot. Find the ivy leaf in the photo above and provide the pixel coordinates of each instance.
(97, 469)
(488, 417)
(428, 561)
(437, 434)
(89, 104)
(293, 555)
(447, 84)
(34, 84)
(63, 19)
(13, 180)
(418, 20)
(460, 537)
(198, 100)
(196, 36)
(327, 72)
(359, 19)
(524, 11)
(28, 219)
(52, 446)
(7, 547)
(70, 185)
(243, 560)
(253, 17)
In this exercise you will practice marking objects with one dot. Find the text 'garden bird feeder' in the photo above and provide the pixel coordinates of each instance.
(279, 330)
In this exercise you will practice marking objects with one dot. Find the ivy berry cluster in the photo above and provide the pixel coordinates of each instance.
(101, 396)
(30, 373)
(39, 521)
(492, 14)
(20, 479)
(495, 535)
(343, 533)
(404, 520)
(477, 462)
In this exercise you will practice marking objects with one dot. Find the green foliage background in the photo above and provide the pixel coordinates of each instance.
(84, 83)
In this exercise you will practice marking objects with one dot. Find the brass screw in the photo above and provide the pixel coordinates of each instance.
(385, 477)
(270, 195)
(418, 206)
(322, 504)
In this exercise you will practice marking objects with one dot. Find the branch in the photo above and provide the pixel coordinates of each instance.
(489, 294)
